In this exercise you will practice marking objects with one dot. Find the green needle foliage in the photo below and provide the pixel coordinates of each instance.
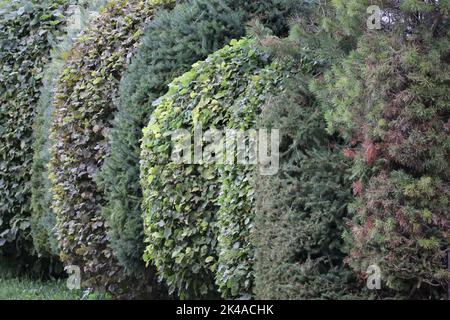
(301, 210)
(390, 100)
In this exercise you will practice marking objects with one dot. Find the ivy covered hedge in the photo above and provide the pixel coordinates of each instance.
(182, 201)
(236, 214)
(390, 100)
(84, 105)
(43, 219)
(27, 32)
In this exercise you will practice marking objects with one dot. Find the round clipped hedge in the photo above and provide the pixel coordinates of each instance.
(172, 42)
(181, 201)
(84, 104)
(390, 99)
(27, 31)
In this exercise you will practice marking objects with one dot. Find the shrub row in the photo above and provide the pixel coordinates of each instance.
(366, 112)
(172, 42)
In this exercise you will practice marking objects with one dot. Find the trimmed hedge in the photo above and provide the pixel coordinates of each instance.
(27, 32)
(43, 219)
(181, 201)
(172, 42)
(390, 100)
(236, 214)
(84, 105)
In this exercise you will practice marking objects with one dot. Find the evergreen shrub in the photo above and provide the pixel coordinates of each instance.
(301, 211)
(390, 100)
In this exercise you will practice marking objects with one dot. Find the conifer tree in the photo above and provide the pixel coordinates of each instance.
(389, 99)
(301, 211)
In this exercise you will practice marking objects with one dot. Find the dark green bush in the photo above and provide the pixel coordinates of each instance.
(390, 100)
(84, 105)
(301, 211)
(27, 32)
(181, 201)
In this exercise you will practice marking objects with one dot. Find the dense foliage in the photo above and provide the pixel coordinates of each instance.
(84, 104)
(236, 214)
(300, 211)
(43, 219)
(94, 172)
(27, 31)
(181, 200)
(390, 99)
(172, 42)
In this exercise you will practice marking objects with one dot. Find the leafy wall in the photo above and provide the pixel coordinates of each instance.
(43, 219)
(84, 105)
(172, 42)
(181, 201)
(27, 32)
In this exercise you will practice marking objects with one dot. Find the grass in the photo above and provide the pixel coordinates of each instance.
(15, 287)
(26, 289)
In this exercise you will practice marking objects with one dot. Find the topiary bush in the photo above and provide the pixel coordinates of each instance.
(172, 42)
(43, 219)
(235, 217)
(181, 202)
(84, 105)
(390, 100)
(27, 32)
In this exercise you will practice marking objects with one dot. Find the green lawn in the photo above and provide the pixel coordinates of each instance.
(25, 289)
